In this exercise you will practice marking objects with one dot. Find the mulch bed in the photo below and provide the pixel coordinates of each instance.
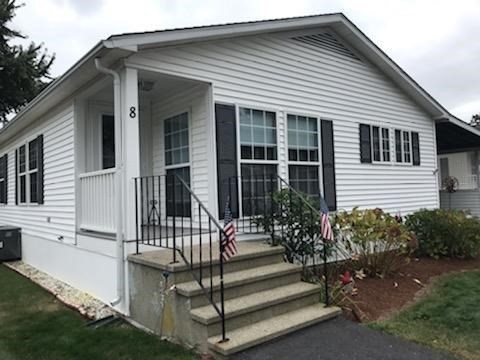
(378, 299)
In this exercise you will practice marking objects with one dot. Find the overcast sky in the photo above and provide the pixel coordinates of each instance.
(436, 41)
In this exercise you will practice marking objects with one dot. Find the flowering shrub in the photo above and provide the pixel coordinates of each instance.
(377, 241)
(448, 233)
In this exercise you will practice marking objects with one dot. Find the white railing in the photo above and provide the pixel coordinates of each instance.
(467, 182)
(97, 193)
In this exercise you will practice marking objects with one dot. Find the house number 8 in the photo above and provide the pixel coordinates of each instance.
(133, 112)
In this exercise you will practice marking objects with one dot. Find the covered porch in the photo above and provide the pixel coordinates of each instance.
(458, 148)
(165, 152)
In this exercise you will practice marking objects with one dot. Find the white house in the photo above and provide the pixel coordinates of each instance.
(311, 100)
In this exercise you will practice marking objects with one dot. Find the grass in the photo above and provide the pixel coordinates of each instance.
(447, 319)
(34, 325)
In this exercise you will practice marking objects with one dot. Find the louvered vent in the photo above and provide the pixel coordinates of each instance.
(327, 41)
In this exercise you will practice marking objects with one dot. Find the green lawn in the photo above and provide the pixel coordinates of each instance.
(33, 325)
(447, 319)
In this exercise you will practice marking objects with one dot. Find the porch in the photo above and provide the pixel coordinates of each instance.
(459, 160)
(163, 131)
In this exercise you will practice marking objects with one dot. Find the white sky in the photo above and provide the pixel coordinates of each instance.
(436, 41)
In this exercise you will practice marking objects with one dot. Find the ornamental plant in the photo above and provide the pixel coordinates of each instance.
(445, 233)
(297, 225)
(378, 242)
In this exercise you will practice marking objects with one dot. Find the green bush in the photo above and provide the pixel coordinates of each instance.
(297, 225)
(445, 233)
(377, 241)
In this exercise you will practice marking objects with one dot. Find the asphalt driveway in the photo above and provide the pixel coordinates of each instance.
(340, 339)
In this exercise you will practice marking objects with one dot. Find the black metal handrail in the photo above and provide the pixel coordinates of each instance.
(259, 196)
(161, 214)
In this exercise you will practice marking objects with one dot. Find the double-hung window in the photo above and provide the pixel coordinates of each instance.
(177, 164)
(303, 150)
(407, 149)
(30, 172)
(380, 144)
(258, 158)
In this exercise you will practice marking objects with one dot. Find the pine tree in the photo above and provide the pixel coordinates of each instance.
(24, 70)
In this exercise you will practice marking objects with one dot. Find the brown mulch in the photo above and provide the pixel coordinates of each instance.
(381, 298)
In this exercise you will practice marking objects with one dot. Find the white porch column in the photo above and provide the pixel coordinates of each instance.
(131, 146)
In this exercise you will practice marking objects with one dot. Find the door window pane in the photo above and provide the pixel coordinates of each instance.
(176, 140)
(108, 142)
(178, 197)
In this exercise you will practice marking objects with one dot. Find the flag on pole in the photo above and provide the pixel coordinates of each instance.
(229, 242)
(326, 227)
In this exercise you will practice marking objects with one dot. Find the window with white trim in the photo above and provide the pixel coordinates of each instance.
(177, 160)
(403, 146)
(380, 144)
(29, 181)
(258, 157)
(303, 150)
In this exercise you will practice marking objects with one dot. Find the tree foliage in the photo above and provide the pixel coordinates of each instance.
(24, 70)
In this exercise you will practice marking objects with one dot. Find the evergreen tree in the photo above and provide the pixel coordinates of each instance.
(24, 70)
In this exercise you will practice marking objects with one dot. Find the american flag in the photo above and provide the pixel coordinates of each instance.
(229, 243)
(326, 227)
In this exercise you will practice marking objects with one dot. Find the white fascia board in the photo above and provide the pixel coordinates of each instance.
(170, 37)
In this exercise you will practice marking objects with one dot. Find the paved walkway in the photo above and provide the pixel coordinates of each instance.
(340, 339)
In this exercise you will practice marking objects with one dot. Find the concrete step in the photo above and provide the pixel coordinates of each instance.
(242, 283)
(259, 306)
(265, 330)
(250, 254)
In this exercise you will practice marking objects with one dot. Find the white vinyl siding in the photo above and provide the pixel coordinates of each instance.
(55, 219)
(275, 72)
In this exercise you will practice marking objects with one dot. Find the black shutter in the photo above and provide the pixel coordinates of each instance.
(365, 144)
(328, 164)
(5, 181)
(17, 187)
(40, 169)
(415, 148)
(226, 158)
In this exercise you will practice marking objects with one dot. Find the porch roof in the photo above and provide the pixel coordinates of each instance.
(454, 135)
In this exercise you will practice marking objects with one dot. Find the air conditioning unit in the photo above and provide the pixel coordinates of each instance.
(10, 243)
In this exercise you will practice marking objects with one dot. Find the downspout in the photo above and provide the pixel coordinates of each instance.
(118, 180)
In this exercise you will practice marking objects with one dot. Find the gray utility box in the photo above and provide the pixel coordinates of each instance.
(10, 243)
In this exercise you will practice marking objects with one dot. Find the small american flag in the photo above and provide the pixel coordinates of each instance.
(229, 243)
(326, 227)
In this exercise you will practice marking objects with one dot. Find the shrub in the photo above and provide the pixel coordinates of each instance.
(300, 231)
(377, 241)
(445, 233)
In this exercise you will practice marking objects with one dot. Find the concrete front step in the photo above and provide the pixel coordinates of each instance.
(242, 283)
(259, 306)
(265, 330)
(250, 254)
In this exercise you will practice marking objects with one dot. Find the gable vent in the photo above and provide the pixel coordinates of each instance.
(327, 41)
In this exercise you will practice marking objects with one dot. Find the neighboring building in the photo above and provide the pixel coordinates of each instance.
(309, 99)
(458, 156)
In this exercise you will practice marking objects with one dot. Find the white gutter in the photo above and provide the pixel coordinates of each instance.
(118, 180)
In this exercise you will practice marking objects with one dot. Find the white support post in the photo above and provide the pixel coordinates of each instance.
(131, 147)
